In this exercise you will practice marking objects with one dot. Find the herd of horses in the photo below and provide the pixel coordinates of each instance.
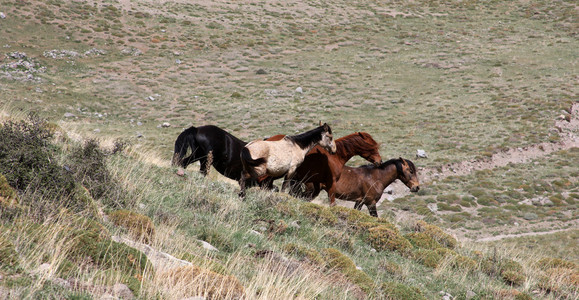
(308, 162)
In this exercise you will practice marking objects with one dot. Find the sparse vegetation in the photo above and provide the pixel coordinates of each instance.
(462, 80)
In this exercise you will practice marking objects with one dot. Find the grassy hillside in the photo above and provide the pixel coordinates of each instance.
(487, 89)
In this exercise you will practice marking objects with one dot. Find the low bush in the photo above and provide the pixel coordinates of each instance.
(139, 226)
(436, 233)
(340, 262)
(384, 238)
(318, 214)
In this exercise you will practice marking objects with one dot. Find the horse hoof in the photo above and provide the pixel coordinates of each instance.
(241, 195)
(332, 204)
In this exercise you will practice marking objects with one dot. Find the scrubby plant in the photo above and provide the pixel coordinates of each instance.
(395, 290)
(507, 269)
(305, 253)
(561, 281)
(88, 164)
(391, 267)
(384, 238)
(8, 256)
(28, 162)
(463, 263)
(139, 226)
(436, 233)
(550, 262)
(318, 214)
(427, 257)
(8, 195)
(195, 281)
(340, 262)
(422, 240)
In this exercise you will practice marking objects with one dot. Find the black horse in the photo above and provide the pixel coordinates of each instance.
(210, 145)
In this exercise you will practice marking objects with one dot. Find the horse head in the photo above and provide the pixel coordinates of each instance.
(177, 160)
(327, 140)
(409, 176)
(371, 153)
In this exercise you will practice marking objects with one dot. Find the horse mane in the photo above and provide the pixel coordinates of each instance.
(398, 163)
(306, 139)
(355, 142)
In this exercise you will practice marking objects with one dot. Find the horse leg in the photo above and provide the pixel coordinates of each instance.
(244, 176)
(332, 195)
(372, 209)
(358, 205)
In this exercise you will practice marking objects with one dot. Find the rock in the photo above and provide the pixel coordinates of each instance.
(62, 282)
(60, 54)
(122, 291)
(299, 90)
(96, 130)
(165, 124)
(42, 269)
(131, 51)
(2, 15)
(254, 232)
(373, 250)
(178, 61)
(294, 224)
(195, 298)
(69, 115)
(139, 123)
(17, 55)
(470, 294)
(140, 135)
(207, 246)
(108, 296)
(433, 207)
(95, 51)
(421, 153)
(151, 98)
(261, 72)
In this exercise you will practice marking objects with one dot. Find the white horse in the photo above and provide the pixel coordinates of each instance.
(278, 158)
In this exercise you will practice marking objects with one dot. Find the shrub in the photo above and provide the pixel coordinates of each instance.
(399, 291)
(340, 262)
(391, 267)
(549, 262)
(305, 253)
(89, 167)
(385, 238)
(28, 162)
(422, 240)
(507, 269)
(318, 213)
(196, 281)
(139, 226)
(463, 263)
(429, 258)
(436, 233)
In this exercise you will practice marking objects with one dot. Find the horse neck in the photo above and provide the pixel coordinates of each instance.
(349, 146)
(307, 140)
(388, 173)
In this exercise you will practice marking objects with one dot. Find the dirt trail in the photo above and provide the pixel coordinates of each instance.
(508, 236)
(568, 131)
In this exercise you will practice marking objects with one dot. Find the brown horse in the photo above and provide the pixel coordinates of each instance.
(365, 184)
(321, 170)
(279, 158)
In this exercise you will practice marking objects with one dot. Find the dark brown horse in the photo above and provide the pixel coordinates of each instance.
(321, 170)
(365, 184)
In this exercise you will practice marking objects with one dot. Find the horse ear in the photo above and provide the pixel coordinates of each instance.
(320, 123)
(402, 160)
(361, 135)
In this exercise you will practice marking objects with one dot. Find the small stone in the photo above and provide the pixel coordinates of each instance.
(122, 291)
(139, 135)
(433, 207)
(2, 15)
(255, 232)
(165, 124)
(69, 115)
(96, 130)
(295, 224)
(151, 98)
(178, 61)
(373, 250)
(207, 246)
(299, 90)
(139, 123)
(470, 294)
(261, 72)
(42, 269)
(421, 153)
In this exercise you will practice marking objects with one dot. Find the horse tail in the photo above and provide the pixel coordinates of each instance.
(249, 163)
(184, 141)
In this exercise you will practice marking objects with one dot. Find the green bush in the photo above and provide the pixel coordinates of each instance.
(305, 253)
(384, 238)
(139, 226)
(28, 161)
(422, 240)
(338, 261)
(88, 164)
(436, 233)
(318, 214)
(429, 258)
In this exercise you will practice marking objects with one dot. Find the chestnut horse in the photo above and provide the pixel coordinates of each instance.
(278, 158)
(320, 169)
(364, 185)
